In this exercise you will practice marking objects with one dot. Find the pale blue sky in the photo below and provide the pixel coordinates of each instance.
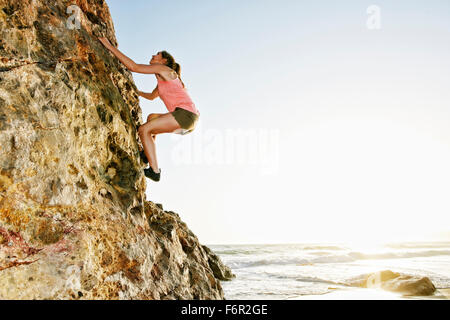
(361, 117)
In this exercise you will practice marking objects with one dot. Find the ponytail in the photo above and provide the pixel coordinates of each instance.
(172, 64)
(177, 69)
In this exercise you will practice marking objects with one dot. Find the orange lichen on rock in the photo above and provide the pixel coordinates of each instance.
(14, 217)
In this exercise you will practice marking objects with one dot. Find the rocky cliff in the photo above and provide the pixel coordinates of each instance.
(74, 221)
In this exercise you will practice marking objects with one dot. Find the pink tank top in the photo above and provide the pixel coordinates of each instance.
(174, 95)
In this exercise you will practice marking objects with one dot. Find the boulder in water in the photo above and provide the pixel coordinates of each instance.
(407, 285)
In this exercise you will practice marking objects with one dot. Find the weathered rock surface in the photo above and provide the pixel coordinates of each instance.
(221, 271)
(74, 221)
(407, 285)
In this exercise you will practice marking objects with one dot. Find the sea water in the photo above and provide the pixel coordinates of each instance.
(289, 271)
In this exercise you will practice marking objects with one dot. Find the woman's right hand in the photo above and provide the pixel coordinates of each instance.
(105, 42)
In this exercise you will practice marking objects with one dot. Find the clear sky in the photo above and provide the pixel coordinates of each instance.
(321, 121)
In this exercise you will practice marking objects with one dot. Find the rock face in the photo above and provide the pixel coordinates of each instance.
(74, 221)
(405, 284)
(221, 271)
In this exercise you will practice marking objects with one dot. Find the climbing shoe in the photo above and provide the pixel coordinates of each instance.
(149, 173)
(144, 157)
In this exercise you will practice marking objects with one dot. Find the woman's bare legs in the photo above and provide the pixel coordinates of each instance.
(149, 118)
(153, 116)
(148, 142)
(163, 123)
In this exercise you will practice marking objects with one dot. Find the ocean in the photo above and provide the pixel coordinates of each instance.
(291, 271)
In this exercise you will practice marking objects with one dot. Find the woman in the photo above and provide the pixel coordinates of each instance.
(182, 116)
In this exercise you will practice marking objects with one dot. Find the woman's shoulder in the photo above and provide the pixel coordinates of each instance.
(166, 74)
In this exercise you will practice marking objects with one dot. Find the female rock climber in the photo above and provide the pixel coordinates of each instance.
(182, 116)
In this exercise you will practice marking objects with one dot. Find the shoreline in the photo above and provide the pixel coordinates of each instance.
(372, 294)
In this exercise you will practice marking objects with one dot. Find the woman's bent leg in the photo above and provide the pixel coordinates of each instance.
(153, 116)
(148, 142)
(164, 123)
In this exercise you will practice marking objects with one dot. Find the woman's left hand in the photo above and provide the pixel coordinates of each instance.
(105, 42)
(130, 64)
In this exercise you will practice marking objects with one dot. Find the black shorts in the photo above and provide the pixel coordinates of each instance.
(185, 118)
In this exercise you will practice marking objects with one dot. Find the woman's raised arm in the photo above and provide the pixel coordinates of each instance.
(130, 64)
